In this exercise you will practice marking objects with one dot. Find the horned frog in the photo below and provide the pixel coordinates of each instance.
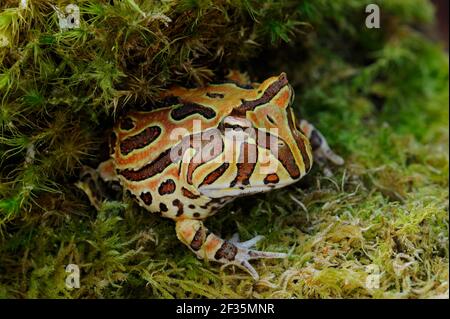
(207, 146)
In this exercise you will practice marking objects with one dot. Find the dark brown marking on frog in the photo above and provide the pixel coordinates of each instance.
(227, 251)
(271, 179)
(189, 108)
(206, 150)
(146, 198)
(149, 170)
(198, 240)
(248, 157)
(187, 193)
(215, 174)
(167, 187)
(140, 140)
(177, 203)
(267, 96)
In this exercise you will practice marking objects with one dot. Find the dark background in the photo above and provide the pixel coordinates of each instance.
(441, 27)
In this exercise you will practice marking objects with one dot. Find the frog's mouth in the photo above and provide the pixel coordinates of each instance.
(218, 192)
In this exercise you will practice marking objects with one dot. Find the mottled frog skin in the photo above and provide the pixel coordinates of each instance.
(253, 144)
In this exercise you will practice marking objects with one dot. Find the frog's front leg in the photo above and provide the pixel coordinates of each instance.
(207, 245)
(93, 183)
(321, 149)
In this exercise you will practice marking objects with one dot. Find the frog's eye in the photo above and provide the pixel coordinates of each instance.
(270, 119)
(213, 95)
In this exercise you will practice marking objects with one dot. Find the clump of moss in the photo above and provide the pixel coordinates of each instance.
(378, 228)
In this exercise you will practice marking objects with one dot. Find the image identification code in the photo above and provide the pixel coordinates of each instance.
(227, 308)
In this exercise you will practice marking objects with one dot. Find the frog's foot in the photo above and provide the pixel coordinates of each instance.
(89, 184)
(107, 171)
(248, 254)
(99, 184)
(322, 151)
(208, 246)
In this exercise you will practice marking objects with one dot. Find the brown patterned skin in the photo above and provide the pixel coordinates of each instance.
(143, 143)
(160, 158)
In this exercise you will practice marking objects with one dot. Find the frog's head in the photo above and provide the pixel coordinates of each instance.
(277, 135)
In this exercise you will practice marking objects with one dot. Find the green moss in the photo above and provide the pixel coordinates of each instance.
(380, 96)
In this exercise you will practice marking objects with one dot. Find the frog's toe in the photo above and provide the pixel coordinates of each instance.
(250, 269)
(244, 255)
(246, 244)
(257, 254)
(234, 239)
(89, 185)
